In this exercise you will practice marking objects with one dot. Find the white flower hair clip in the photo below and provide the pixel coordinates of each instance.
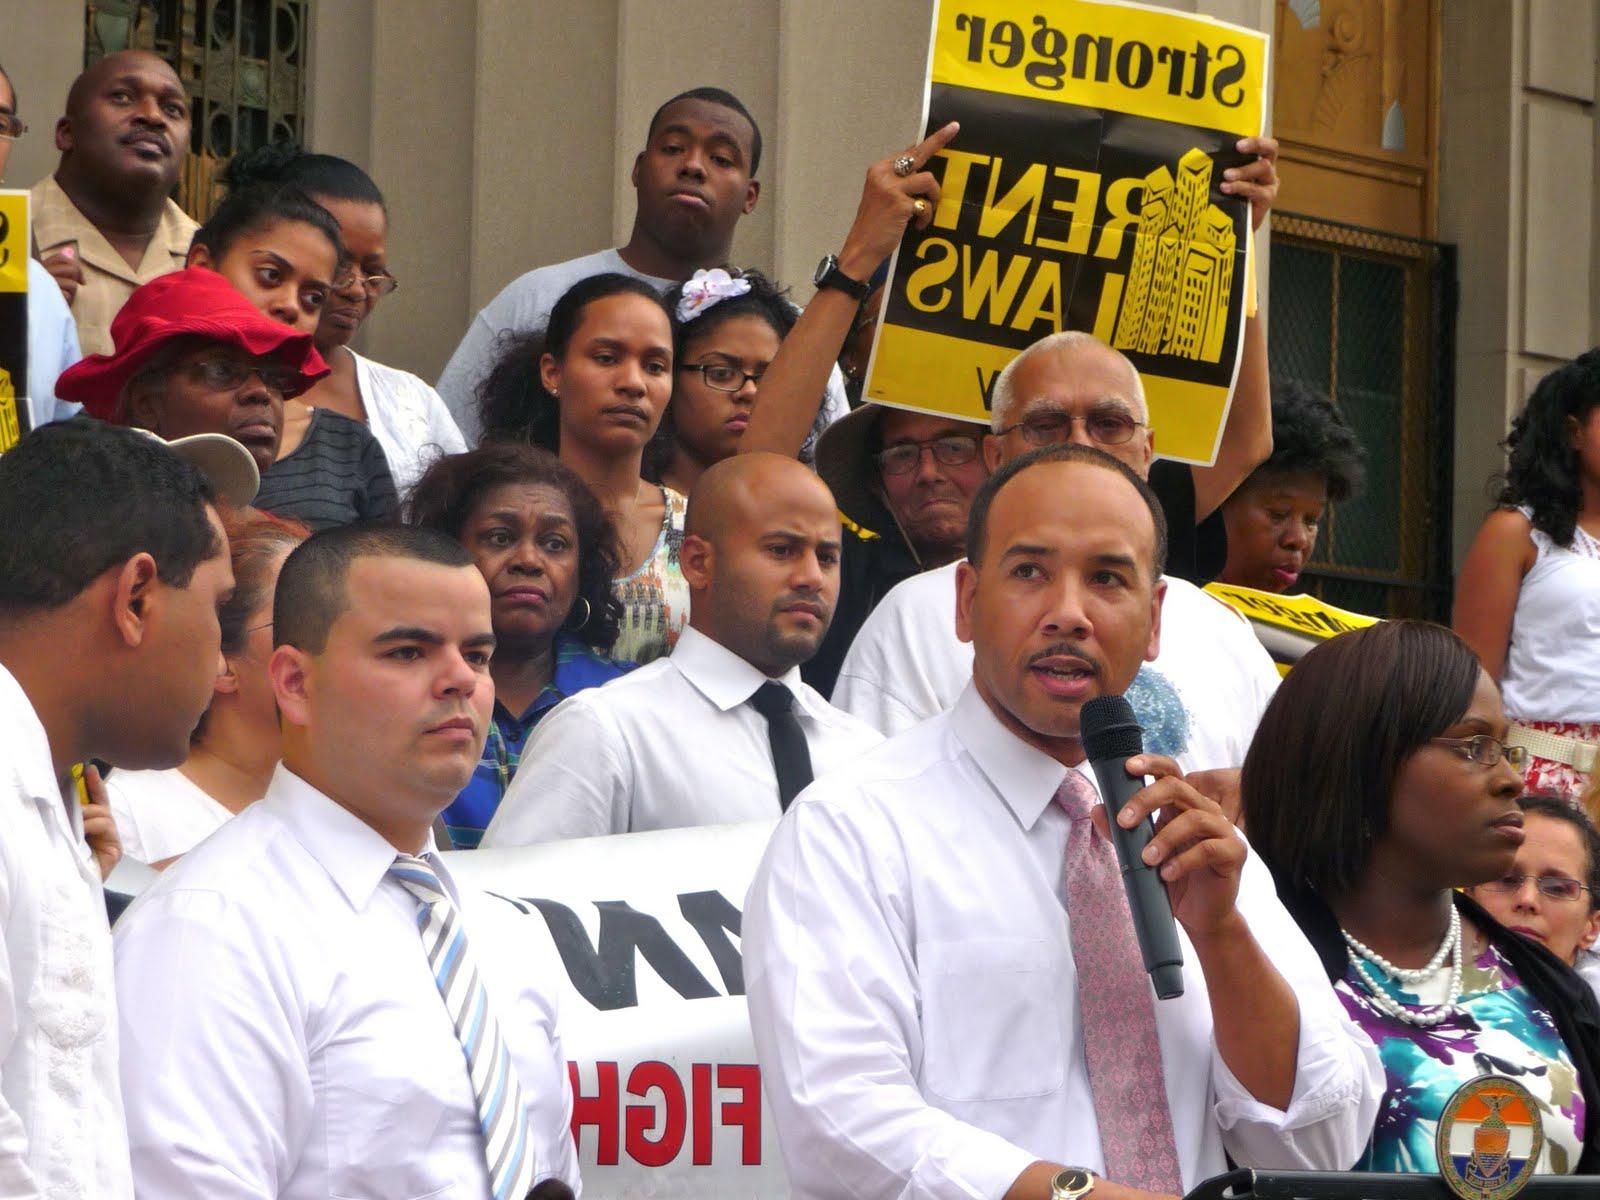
(707, 289)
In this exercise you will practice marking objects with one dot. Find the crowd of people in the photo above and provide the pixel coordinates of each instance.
(282, 623)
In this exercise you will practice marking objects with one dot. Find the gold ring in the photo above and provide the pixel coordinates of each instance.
(919, 206)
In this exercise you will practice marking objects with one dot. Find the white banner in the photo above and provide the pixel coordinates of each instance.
(667, 1095)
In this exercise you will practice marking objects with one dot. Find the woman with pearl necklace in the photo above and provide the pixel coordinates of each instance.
(1378, 783)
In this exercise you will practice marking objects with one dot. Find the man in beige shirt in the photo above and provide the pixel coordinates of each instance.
(105, 222)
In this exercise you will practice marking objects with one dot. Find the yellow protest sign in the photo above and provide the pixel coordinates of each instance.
(1083, 192)
(13, 318)
(1289, 626)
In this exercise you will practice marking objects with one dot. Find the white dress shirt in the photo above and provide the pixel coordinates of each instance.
(61, 1127)
(906, 664)
(160, 814)
(285, 1037)
(408, 418)
(912, 992)
(668, 745)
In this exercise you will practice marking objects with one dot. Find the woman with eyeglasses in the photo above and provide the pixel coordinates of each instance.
(1378, 783)
(591, 388)
(1553, 892)
(190, 356)
(407, 416)
(282, 250)
(727, 330)
(235, 748)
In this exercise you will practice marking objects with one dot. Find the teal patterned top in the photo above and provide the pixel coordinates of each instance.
(1499, 1029)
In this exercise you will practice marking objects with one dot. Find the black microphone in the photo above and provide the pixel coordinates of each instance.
(1111, 736)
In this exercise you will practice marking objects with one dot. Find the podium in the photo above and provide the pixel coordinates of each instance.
(1358, 1185)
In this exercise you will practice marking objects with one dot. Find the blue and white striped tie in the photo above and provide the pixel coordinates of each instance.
(501, 1114)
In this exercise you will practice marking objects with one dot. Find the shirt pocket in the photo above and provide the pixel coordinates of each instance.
(392, 1095)
(992, 1019)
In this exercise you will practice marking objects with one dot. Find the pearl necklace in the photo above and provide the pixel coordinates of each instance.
(1424, 1017)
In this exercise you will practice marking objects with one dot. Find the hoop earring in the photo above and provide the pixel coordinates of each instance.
(588, 611)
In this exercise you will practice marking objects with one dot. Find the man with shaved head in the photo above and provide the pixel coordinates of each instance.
(907, 664)
(105, 222)
(723, 730)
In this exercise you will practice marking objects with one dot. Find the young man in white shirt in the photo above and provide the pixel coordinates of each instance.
(112, 565)
(907, 664)
(945, 990)
(310, 1007)
(689, 739)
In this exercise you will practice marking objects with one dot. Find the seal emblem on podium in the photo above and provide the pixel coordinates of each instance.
(1489, 1139)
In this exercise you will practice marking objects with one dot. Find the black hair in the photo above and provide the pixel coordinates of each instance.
(1558, 809)
(726, 99)
(286, 163)
(312, 587)
(1543, 472)
(1310, 437)
(512, 402)
(261, 206)
(1320, 774)
(765, 300)
(79, 498)
(978, 516)
(452, 487)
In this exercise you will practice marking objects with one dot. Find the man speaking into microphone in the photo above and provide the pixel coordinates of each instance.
(946, 990)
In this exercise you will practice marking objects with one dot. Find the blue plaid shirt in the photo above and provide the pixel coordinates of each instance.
(577, 667)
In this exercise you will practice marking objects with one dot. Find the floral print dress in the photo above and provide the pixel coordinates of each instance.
(1499, 1028)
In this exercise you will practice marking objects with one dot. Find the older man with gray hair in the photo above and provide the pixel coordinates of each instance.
(907, 664)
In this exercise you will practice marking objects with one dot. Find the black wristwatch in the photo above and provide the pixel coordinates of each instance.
(829, 276)
(1072, 1183)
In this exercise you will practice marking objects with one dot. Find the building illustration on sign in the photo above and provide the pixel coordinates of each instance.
(1174, 299)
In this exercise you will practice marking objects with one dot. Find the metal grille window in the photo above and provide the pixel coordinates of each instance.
(1369, 319)
(242, 63)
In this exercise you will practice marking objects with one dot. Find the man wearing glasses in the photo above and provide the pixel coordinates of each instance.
(907, 665)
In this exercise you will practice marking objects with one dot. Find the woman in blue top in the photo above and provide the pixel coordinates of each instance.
(548, 553)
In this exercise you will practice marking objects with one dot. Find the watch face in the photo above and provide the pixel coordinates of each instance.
(827, 264)
(1071, 1182)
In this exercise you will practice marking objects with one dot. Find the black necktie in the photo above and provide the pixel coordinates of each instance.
(790, 757)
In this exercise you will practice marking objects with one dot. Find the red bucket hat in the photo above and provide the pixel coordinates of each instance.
(193, 302)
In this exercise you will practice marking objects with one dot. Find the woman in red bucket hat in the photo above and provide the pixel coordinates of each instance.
(191, 355)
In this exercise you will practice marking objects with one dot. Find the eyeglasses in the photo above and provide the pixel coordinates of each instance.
(225, 374)
(11, 128)
(954, 450)
(1556, 887)
(1485, 750)
(1106, 426)
(377, 283)
(724, 377)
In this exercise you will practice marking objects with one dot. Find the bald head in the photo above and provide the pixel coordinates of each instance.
(761, 557)
(125, 134)
(120, 62)
(740, 487)
(1070, 387)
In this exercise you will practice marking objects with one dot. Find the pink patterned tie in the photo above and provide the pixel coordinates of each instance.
(1119, 1022)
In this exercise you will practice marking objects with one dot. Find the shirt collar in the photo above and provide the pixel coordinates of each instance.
(29, 745)
(353, 854)
(57, 219)
(1026, 779)
(721, 676)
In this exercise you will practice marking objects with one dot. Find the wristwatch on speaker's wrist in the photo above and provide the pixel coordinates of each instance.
(829, 276)
(1071, 1183)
